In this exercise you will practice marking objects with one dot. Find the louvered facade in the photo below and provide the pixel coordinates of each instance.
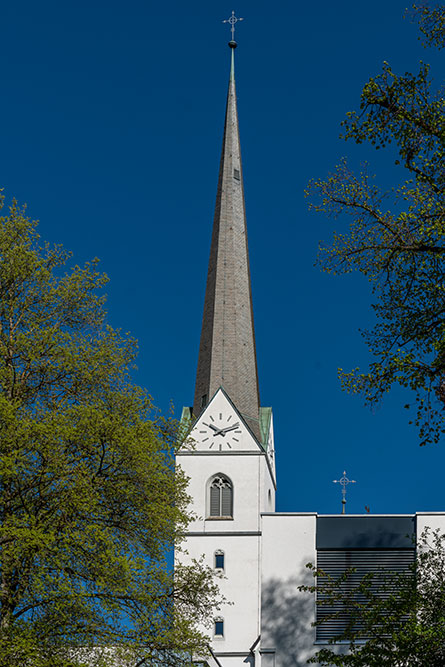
(372, 546)
(378, 564)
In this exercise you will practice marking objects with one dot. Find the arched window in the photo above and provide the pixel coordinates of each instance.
(220, 498)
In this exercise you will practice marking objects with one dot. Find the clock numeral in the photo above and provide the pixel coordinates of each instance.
(211, 418)
(204, 439)
(229, 418)
(237, 431)
(236, 439)
(220, 415)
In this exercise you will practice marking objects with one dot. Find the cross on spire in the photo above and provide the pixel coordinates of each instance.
(344, 481)
(233, 20)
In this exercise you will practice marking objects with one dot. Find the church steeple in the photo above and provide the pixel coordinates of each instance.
(227, 354)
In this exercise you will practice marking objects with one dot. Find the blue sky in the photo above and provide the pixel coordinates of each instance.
(112, 118)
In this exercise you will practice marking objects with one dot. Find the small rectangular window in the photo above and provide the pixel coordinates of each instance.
(219, 628)
(236, 174)
(203, 400)
(219, 561)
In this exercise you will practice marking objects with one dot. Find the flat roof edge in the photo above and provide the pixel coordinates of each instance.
(345, 516)
(289, 514)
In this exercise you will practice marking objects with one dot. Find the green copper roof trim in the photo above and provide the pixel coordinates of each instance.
(186, 416)
(265, 420)
(232, 66)
(185, 424)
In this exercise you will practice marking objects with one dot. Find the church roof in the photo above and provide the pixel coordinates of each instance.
(227, 355)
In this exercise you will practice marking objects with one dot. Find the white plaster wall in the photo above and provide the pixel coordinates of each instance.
(267, 503)
(244, 471)
(433, 520)
(245, 464)
(288, 543)
(268, 479)
(240, 585)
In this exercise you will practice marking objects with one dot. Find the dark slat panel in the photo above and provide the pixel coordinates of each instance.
(335, 562)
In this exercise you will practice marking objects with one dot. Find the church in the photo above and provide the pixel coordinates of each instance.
(230, 456)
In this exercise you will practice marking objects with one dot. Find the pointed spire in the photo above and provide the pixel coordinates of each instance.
(227, 354)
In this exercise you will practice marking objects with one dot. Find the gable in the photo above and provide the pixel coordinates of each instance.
(221, 428)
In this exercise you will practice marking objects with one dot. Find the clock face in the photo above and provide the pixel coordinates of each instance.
(220, 431)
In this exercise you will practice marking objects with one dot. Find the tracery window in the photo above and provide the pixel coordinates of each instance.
(220, 498)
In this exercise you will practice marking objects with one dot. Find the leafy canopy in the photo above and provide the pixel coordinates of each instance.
(397, 238)
(90, 503)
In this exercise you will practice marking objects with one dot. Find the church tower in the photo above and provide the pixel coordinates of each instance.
(227, 355)
(229, 455)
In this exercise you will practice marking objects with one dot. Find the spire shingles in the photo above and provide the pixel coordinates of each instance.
(227, 354)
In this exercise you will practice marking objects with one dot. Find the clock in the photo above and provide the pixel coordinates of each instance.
(220, 431)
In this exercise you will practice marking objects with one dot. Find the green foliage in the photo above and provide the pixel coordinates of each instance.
(431, 23)
(89, 500)
(396, 619)
(397, 238)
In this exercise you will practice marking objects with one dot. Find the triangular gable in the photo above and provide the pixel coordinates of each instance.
(220, 428)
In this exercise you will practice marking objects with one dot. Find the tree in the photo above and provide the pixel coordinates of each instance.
(400, 615)
(90, 504)
(397, 238)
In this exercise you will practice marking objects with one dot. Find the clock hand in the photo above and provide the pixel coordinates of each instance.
(214, 428)
(229, 428)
